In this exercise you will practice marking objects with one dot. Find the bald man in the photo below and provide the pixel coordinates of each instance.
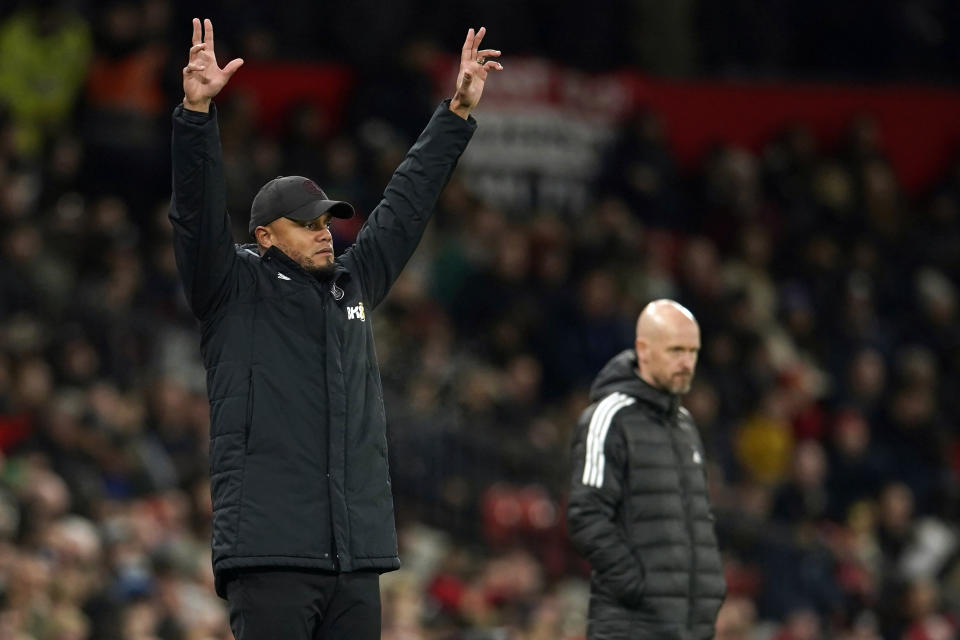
(638, 508)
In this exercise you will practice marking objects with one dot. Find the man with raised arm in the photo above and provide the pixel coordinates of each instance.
(638, 507)
(303, 519)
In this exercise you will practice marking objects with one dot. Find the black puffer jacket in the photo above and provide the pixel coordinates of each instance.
(298, 449)
(638, 511)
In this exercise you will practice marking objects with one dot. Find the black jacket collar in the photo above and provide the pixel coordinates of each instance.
(275, 254)
(620, 375)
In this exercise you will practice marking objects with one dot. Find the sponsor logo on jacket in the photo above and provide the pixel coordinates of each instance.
(357, 312)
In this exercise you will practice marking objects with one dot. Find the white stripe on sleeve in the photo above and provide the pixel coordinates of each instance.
(600, 417)
(597, 434)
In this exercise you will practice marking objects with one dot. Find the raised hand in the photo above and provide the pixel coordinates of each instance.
(202, 78)
(475, 63)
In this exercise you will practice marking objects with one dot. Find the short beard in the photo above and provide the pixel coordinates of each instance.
(322, 271)
(682, 389)
(673, 386)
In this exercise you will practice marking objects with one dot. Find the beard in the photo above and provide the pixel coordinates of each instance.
(308, 264)
(677, 384)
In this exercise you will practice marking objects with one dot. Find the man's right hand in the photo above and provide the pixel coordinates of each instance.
(202, 78)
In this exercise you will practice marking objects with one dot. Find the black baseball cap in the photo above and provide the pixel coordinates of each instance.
(293, 197)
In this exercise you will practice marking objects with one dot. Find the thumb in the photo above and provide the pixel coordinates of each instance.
(232, 66)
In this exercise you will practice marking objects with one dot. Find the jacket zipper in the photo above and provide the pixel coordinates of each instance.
(685, 493)
(333, 547)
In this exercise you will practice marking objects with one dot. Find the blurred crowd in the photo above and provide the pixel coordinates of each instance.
(826, 390)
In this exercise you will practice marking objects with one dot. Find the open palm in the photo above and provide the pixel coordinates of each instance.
(475, 64)
(202, 78)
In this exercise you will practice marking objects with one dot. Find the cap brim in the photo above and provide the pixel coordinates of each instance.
(315, 209)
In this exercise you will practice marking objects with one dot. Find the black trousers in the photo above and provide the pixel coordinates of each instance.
(296, 604)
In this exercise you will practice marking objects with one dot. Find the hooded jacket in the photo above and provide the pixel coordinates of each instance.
(638, 511)
(298, 449)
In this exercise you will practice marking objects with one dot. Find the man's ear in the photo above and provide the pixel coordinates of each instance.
(264, 237)
(641, 346)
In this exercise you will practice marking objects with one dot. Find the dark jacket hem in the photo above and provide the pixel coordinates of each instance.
(222, 568)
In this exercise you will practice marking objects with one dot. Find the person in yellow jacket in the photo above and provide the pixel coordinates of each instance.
(44, 52)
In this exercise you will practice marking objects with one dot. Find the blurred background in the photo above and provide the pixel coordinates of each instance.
(789, 171)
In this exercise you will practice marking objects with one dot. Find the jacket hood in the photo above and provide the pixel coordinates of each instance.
(620, 375)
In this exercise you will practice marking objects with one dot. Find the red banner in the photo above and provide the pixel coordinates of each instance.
(545, 126)
(919, 126)
(276, 87)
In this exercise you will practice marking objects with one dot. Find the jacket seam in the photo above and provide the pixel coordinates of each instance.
(248, 427)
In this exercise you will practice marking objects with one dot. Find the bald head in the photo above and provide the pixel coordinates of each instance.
(668, 342)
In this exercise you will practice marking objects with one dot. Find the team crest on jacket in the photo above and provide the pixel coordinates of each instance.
(357, 312)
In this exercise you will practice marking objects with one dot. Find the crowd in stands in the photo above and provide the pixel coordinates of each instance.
(826, 391)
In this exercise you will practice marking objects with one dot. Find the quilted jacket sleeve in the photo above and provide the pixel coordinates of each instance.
(203, 244)
(394, 228)
(597, 486)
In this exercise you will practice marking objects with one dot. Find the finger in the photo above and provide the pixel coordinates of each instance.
(467, 53)
(488, 53)
(208, 32)
(476, 41)
(232, 66)
(199, 56)
(493, 65)
(193, 66)
(196, 31)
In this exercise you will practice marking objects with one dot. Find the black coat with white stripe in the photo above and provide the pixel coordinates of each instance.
(298, 448)
(638, 511)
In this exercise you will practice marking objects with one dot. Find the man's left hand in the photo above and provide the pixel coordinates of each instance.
(475, 63)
